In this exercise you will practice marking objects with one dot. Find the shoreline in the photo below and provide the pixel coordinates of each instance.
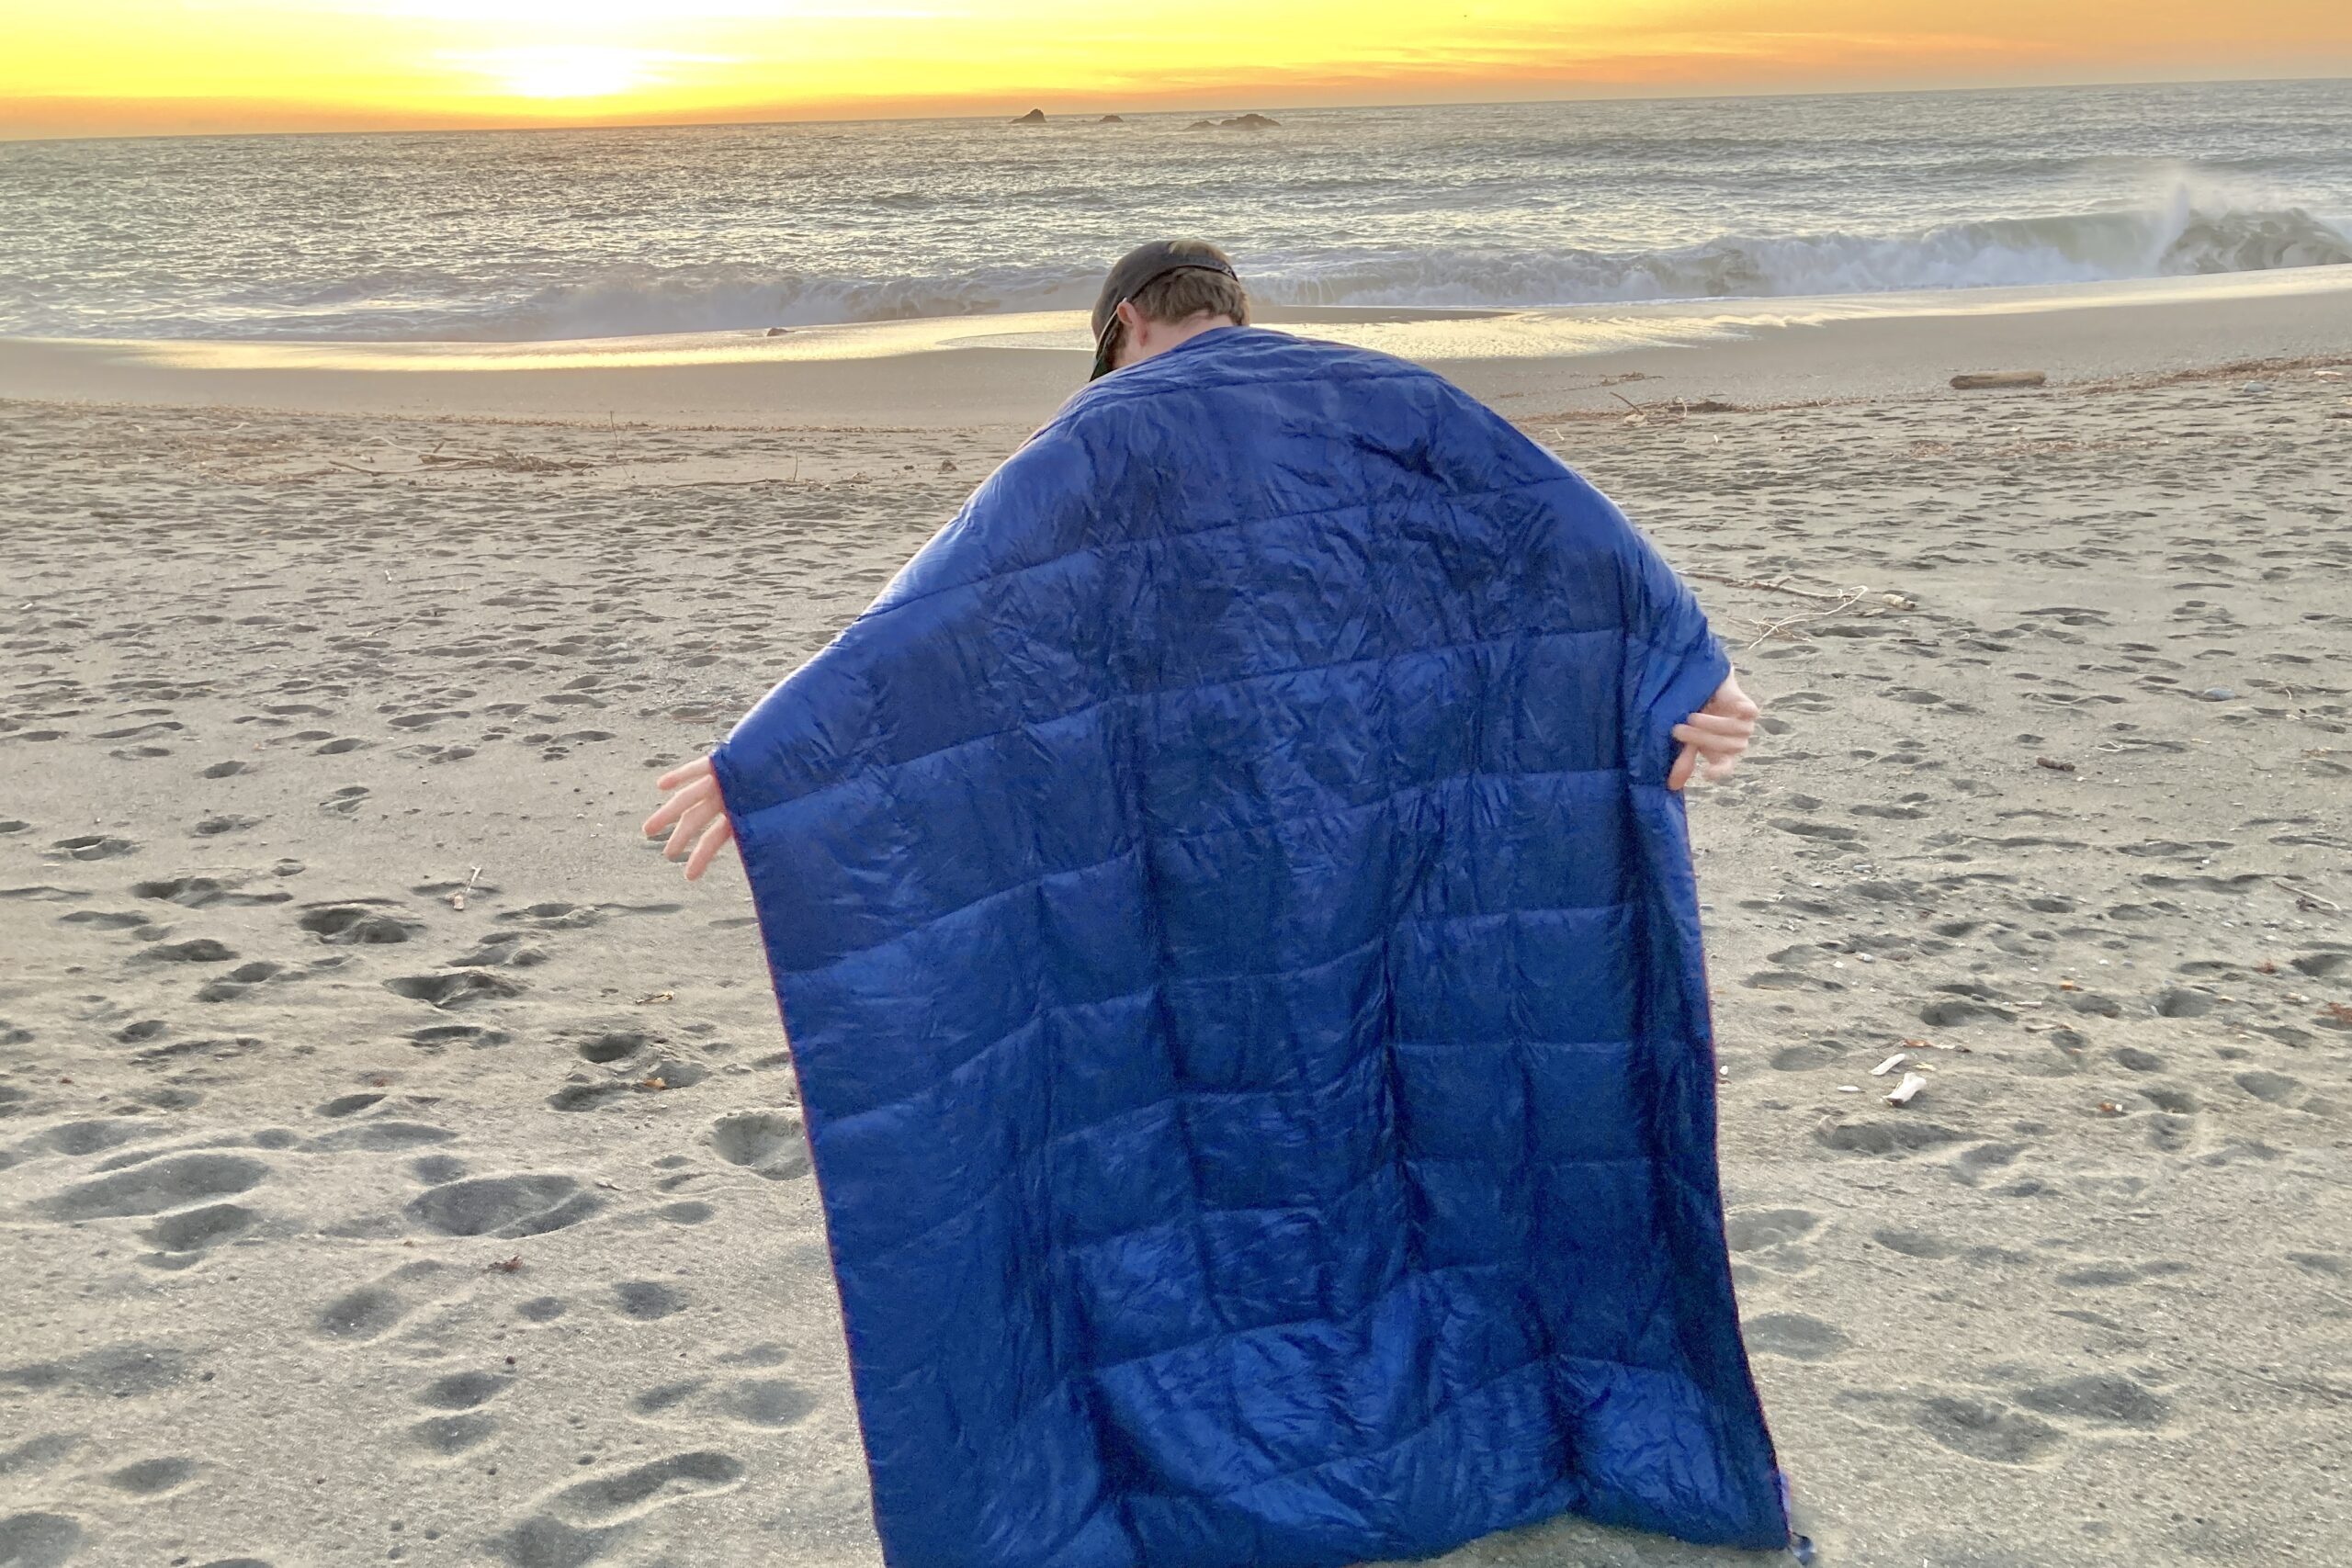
(977, 372)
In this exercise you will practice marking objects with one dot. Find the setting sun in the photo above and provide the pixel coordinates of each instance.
(564, 70)
(131, 66)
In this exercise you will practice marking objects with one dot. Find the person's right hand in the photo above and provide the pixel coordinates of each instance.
(695, 816)
(1715, 739)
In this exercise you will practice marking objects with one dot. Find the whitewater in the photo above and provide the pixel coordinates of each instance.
(538, 236)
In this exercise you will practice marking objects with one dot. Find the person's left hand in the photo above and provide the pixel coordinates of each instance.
(1715, 737)
(695, 816)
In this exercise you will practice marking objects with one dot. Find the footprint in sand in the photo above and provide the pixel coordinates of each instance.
(374, 1310)
(770, 1144)
(440, 1036)
(1986, 1429)
(2107, 1400)
(1756, 1229)
(174, 1182)
(359, 921)
(504, 1206)
(345, 802)
(38, 1540)
(240, 980)
(505, 949)
(1907, 1137)
(647, 1300)
(580, 1524)
(462, 1427)
(1796, 1337)
(201, 950)
(201, 892)
(180, 1239)
(126, 1370)
(151, 1477)
(454, 988)
(93, 846)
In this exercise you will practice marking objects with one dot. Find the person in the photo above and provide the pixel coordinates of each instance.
(1231, 903)
(1158, 296)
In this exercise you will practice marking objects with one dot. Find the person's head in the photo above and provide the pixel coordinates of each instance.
(1160, 294)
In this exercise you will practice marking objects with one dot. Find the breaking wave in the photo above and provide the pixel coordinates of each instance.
(2087, 249)
(489, 302)
(2180, 240)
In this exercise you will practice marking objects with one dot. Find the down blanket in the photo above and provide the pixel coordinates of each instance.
(1242, 967)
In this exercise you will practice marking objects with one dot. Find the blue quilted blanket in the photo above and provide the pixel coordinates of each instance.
(1243, 971)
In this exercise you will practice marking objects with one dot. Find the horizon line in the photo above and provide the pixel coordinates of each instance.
(757, 122)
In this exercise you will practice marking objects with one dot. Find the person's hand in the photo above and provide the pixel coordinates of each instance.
(1715, 737)
(694, 815)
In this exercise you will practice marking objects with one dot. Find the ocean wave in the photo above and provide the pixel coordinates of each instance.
(633, 301)
(2180, 239)
(2194, 231)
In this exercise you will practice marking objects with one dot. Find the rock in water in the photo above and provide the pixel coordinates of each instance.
(1035, 116)
(1110, 119)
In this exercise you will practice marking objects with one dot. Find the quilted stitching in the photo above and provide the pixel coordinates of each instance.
(1242, 969)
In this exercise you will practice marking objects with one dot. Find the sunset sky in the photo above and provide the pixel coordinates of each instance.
(108, 67)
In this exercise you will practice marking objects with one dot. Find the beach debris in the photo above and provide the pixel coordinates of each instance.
(947, 465)
(1980, 380)
(779, 332)
(507, 1264)
(2339, 1012)
(2267, 967)
(2327, 375)
(2256, 388)
(458, 899)
(2305, 899)
(2108, 1108)
(2054, 764)
(1898, 601)
(653, 1083)
(1850, 1088)
(1890, 1064)
(1640, 414)
(651, 997)
(2216, 694)
(1903, 1092)
(1932, 1046)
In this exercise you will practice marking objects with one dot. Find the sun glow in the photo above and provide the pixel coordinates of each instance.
(110, 66)
(564, 70)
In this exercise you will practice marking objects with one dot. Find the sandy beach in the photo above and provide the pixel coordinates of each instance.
(398, 1163)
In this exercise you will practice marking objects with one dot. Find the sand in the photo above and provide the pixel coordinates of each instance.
(398, 1163)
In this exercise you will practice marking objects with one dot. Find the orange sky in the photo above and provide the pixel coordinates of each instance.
(108, 67)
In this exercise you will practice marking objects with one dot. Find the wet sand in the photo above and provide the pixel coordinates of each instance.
(398, 1163)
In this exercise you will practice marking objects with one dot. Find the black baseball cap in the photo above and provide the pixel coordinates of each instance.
(1139, 270)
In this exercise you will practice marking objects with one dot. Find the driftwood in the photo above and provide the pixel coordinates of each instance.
(1771, 585)
(1979, 380)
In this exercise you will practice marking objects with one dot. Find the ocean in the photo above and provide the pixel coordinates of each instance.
(535, 236)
